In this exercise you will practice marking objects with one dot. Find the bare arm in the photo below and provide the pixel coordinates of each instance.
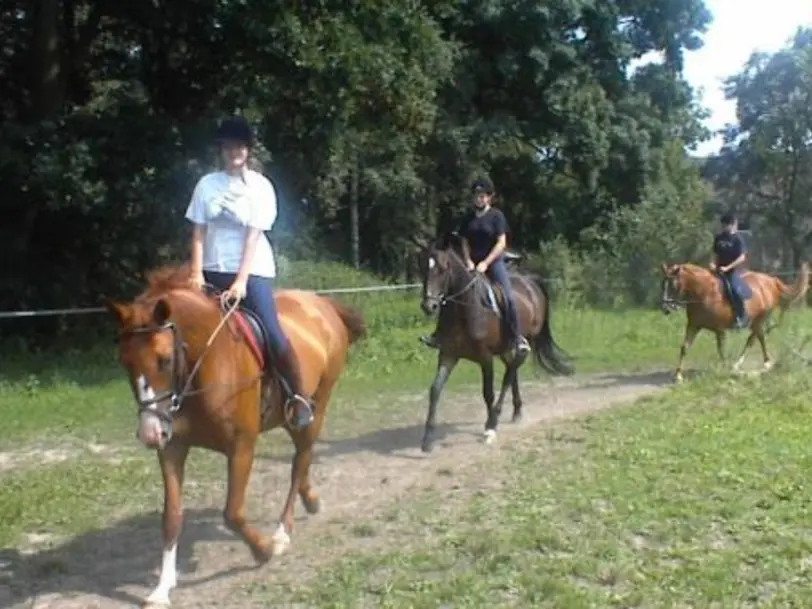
(466, 251)
(198, 235)
(248, 251)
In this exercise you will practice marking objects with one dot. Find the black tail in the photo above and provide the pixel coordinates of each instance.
(547, 353)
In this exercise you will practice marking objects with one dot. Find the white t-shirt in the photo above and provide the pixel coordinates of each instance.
(228, 205)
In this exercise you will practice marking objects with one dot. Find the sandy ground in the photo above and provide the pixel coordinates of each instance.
(358, 480)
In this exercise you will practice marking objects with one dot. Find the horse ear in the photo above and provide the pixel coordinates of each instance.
(450, 239)
(161, 312)
(665, 268)
(122, 312)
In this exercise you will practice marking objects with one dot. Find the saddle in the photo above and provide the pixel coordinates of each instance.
(491, 294)
(253, 331)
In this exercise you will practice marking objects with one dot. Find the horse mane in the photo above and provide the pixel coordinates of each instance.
(166, 278)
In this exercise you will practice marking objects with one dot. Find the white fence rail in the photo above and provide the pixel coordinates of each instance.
(91, 310)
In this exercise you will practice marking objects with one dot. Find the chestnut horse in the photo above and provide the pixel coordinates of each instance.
(199, 379)
(708, 308)
(469, 329)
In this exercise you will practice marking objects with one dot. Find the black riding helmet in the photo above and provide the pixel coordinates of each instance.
(235, 128)
(728, 219)
(482, 185)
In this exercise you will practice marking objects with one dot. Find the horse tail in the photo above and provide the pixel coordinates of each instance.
(547, 353)
(353, 320)
(790, 295)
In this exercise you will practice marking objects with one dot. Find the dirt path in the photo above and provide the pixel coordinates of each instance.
(359, 481)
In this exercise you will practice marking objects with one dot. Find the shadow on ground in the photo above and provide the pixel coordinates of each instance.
(102, 562)
(392, 442)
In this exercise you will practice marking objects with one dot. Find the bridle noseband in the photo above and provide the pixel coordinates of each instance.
(179, 385)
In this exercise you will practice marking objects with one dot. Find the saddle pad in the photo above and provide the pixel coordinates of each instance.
(490, 299)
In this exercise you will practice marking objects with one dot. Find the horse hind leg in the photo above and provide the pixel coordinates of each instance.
(511, 371)
(492, 420)
(518, 413)
(749, 343)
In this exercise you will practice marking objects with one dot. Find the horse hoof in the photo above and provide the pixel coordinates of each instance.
(489, 436)
(768, 366)
(156, 605)
(427, 446)
(263, 553)
(312, 506)
(517, 418)
(280, 541)
(677, 378)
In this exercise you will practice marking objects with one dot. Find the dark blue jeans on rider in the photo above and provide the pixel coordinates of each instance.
(498, 272)
(259, 299)
(740, 291)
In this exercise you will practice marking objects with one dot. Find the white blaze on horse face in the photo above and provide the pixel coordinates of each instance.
(145, 392)
(169, 577)
(432, 263)
(149, 426)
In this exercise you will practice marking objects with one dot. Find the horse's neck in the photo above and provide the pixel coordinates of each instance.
(197, 320)
(695, 285)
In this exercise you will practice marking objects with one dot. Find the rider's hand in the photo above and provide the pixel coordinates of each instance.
(197, 280)
(237, 289)
(723, 269)
(469, 264)
(482, 267)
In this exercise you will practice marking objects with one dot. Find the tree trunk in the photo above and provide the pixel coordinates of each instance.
(355, 238)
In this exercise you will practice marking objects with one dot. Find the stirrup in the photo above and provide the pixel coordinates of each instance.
(298, 411)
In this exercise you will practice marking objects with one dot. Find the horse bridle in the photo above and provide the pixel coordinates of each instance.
(179, 385)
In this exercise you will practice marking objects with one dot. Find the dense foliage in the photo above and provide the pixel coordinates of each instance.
(373, 116)
(765, 170)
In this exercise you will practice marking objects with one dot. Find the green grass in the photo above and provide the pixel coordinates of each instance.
(699, 498)
(74, 397)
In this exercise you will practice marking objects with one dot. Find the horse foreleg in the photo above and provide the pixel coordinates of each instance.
(492, 419)
(172, 460)
(240, 462)
(687, 341)
(445, 366)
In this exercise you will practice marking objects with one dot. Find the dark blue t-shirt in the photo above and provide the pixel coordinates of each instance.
(728, 247)
(483, 231)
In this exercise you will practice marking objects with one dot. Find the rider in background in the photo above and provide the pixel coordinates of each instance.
(729, 254)
(230, 210)
(484, 237)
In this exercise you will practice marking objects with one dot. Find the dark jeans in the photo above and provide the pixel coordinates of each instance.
(738, 291)
(259, 299)
(498, 273)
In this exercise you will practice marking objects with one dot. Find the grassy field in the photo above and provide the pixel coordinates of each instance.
(697, 495)
(696, 499)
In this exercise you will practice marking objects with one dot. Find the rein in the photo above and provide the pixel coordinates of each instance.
(174, 395)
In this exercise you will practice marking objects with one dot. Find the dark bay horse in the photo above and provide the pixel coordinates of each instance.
(468, 329)
(708, 308)
(200, 379)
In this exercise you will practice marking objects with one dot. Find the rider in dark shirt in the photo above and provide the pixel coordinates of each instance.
(484, 231)
(729, 254)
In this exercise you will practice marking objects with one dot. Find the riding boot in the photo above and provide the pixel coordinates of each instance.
(288, 366)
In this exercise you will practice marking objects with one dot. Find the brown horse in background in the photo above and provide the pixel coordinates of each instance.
(708, 308)
(468, 329)
(199, 378)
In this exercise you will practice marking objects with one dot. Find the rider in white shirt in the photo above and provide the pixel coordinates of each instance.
(230, 210)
